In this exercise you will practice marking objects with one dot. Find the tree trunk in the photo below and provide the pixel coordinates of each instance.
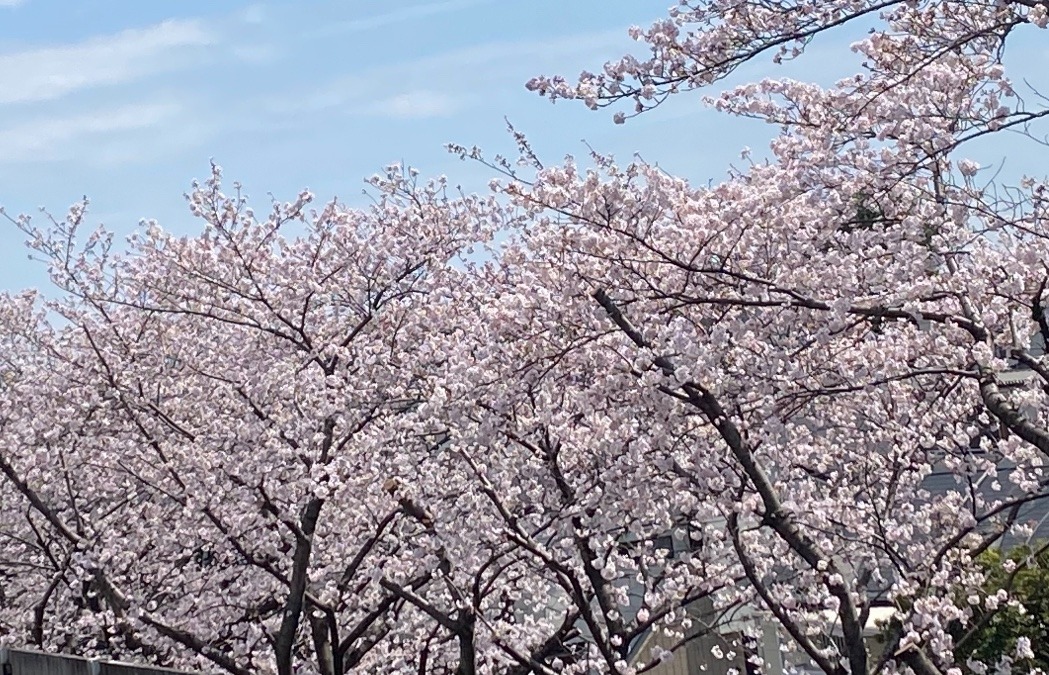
(322, 645)
(289, 624)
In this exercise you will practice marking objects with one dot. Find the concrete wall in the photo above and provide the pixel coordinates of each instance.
(24, 662)
(696, 658)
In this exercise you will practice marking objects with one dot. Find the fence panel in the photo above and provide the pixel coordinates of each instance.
(25, 662)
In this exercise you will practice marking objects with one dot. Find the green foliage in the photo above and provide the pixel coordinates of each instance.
(867, 214)
(993, 634)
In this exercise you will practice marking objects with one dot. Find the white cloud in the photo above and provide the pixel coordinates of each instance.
(258, 53)
(449, 78)
(253, 14)
(10, 3)
(51, 72)
(398, 16)
(63, 137)
(417, 104)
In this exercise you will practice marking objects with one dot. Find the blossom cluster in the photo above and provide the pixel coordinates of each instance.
(572, 425)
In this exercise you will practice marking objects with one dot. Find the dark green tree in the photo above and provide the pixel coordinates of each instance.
(1024, 573)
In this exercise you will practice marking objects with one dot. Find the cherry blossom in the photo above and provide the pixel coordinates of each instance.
(595, 409)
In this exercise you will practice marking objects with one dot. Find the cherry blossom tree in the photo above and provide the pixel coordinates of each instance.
(841, 322)
(278, 445)
(215, 461)
(343, 440)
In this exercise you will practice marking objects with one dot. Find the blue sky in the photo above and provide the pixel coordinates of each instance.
(126, 101)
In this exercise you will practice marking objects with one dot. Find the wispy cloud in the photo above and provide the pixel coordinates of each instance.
(450, 78)
(10, 3)
(58, 138)
(253, 14)
(254, 53)
(52, 72)
(399, 16)
(417, 104)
